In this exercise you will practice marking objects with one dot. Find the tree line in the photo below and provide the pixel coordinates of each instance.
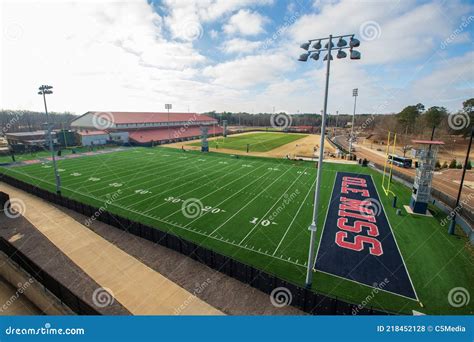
(25, 120)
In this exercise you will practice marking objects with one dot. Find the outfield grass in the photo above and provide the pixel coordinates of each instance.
(257, 210)
(257, 142)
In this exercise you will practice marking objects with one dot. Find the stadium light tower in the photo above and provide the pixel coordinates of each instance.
(314, 48)
(168, 106)
(355, 93)
(46, 90)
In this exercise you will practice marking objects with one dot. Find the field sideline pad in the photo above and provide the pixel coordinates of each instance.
(357, 243)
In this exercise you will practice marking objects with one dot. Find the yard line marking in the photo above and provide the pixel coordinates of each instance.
(192, 180)
(141, 158)
(145, 173)
(253, 199)
(167, 170)
(158, 219)
(218, 189)
(294, 218)
(172, 180)
(274, 204)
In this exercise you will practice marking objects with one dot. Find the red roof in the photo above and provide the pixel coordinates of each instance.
(147, 135)
(92, 133)
(428, 142)
(151, 117)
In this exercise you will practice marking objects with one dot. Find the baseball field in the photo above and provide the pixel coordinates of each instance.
(257, 210)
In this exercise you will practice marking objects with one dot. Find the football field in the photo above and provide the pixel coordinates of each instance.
(256, 210)
(256, 142)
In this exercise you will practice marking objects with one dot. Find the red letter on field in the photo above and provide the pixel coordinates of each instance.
(358, 225)
(358, 244)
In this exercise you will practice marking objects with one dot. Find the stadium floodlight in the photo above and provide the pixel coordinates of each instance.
(303, 57)
(317, 45)
(355, 93)
(168, 106)
(327, 45)
(46, 90)
(341, 42)
(354, 42)
(305, 46)
(326, 57)
(341, 54)
(315, 56)
(355, 54)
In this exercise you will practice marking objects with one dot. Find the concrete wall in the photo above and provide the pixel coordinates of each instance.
(87, 140)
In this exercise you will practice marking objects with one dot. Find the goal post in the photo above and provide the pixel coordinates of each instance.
(388, 169)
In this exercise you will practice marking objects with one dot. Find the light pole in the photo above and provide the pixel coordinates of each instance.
(452, 225)
(355, 92)
(168, 106)
(46, 90)
(314, 54)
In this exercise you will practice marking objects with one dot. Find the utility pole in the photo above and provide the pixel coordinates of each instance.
(452, 225)
(355, 93)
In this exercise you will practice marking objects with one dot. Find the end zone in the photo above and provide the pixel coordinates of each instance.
(357, 242)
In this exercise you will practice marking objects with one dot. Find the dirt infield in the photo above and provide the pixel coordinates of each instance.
(304, 147)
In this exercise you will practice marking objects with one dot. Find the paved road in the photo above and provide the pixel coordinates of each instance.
(442, 182)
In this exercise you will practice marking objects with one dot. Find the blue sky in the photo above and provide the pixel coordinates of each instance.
(235, 55)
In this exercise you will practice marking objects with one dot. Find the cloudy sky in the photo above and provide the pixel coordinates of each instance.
(234, 55)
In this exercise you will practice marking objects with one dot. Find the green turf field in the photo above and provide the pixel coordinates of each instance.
(45, 154)
(258, 210)
(258, 142)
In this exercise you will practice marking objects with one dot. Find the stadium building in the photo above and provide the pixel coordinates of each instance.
(143, 128)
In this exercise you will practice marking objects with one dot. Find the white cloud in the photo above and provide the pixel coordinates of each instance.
(407, 31)
(249, 71)
(95, 55)
(188, 15)
(125, 56)
(246, 23)
(241, 46)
